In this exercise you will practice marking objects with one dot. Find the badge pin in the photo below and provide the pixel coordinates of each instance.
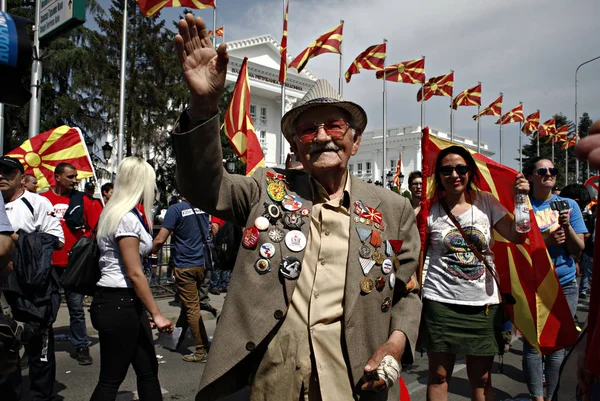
(274, 211)
(305, 212)
(380, 283)
(356, 219)
(378, 257)
(267, 250)
(387, 266)
(261, 223)
(262, 266)
(290, 267)
(276, 190)
(389, 252)
(367, 285)
(365, 252)
(366, 264)
(250, 237)
(276, 234)
(386, 304)
(293, 220)
(392, 280)
(291, 203)
(295, 240)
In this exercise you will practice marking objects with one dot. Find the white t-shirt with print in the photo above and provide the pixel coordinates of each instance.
(41, 219)
(455, 275)
(112, 268)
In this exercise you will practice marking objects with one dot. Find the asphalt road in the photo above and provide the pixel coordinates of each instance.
(179, 379)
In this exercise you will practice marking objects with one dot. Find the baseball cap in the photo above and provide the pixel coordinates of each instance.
(12, 163)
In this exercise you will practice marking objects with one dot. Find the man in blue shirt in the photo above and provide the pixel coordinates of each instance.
(189, 227)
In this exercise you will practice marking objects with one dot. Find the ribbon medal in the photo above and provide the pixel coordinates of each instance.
(364, 251)
(276, 190)
(366, 264)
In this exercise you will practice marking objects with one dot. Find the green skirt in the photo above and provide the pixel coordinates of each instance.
(461, 329)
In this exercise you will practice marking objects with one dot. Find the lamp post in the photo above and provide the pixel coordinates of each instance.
(390, 179)
(577, 122)
(230, 165)
(89, 143)
(107, 151)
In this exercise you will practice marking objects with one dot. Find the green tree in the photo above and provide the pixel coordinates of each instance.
(585, 122)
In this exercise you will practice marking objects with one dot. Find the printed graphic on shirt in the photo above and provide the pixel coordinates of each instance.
(460, 260)
(547, 220)
(189, 212)
(60, 209)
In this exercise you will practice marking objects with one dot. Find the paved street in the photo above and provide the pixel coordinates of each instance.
(179, 379)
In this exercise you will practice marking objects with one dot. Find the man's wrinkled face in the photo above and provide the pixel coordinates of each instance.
(68, 178)
(323, 139)
(10, 179)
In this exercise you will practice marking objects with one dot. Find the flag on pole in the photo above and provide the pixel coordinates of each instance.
(547, 128)
(398, 171)
(220, 32)
(567, 143)
(560, 134)
(494, 109)
(408, 72)
(513, 116)
(541, 312)
(329, 42)
(437, 86)
(283, 48)
(373, 58)
(238, 125)
(42, 153)
(532, 123)
(151, 7)
(468, 97)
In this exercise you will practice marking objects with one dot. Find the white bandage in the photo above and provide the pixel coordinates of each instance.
(389, 370)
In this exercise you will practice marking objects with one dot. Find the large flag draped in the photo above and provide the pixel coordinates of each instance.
(329, 42)
(532, 123)
(547, 128)
(283, 49)
(42, 153)
(238, 124)
(494, 109)
(541, 312)
(437, 86)
(151, 7)
(409, 72)
(513, 116)
(372, 58)
(468, 97)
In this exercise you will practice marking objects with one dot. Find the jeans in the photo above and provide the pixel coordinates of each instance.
(125, 339)
(79, 337)
(219, 279)
(586, 273)
(532, 360)
(188, 280)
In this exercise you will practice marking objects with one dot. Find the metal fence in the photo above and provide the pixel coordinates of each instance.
(160, 273)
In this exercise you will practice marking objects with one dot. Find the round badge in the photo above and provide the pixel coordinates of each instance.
(276, 191)
(250, 237)
(356, 219)
(262, 266)
(378, 257)
(387, 266)
(262, 223)
(267, 250)
(295, 240)
(290, 267)
(380, 283)
(291, 203)
(276, 234)
(386, 304)
(366, 285)
(392, 280)
(304, 212)
(365, 252)
(274, 211)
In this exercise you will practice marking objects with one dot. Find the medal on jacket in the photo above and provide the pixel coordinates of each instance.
(276, 190)
(363, 235)
(290, 267)
(272, 212)
(366, 264)
(367, 285)
(378, 257)
(292, 220)
(389, 251)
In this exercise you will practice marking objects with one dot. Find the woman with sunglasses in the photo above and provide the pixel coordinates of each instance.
(563, 229)
(461, 311)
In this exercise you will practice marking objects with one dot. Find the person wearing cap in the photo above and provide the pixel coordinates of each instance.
(89, 189)
(31, 213)
(319, 306)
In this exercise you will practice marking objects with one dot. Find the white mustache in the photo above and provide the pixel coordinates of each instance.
(318, 148)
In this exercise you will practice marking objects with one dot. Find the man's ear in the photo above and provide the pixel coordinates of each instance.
(356, 142)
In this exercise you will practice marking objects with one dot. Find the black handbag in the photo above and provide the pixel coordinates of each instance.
(83, 269)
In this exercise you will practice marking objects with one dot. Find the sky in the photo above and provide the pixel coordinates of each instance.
(527, 49)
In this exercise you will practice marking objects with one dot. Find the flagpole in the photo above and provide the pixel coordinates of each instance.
(451, 121)
(36, 76)
(567, 161)
(552, 149)
(478, 129)
(340, 82)
(501, 140)
(215, 25)
(282, 155)
(521, 142)
(384, 123)
(122, 90)
(537, 135)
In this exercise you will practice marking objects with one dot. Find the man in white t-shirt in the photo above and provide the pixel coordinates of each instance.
(29, 212)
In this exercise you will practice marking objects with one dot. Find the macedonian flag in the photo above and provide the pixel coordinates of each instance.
(494, 109)
(532, 123)
(238, 125)
(283, 48)
(437, 86)
(151, 7)
(372, 58)
(468, 97)
(42, 153)
(409, 72)
(396, 179)
(541, 312)
(329, 42)
(547, 128)
(561, 134)
(513, 116)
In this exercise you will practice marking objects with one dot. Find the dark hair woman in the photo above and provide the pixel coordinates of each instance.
(461, 311)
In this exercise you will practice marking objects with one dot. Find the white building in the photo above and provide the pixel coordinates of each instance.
(405, 141)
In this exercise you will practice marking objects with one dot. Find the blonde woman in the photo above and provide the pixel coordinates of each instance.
(119, 308)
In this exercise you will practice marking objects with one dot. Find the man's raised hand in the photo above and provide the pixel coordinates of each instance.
(204, 68)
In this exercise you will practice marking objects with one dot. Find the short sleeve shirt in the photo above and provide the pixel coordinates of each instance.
(455, 274)
(41, 218)
(547, 220)
(187, 237)
(112, 268)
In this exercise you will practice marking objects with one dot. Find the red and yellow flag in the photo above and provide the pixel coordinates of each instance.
(409, 72)
(151, 7)
(220, 32)
(468, 97)
(42, 153)
(398, 171)
(547, 128)
(238, 125)
(494, 109)
(568, 143)
(437, 86)
(283, 48)
(371, 59)
(329, 42)
(532, 123)
(541, 312)
(513, 116)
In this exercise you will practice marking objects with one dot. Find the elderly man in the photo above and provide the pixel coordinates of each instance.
(317, 307)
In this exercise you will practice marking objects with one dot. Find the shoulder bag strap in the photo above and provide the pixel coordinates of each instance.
(208, 260)
(204, 234)
(507, 298)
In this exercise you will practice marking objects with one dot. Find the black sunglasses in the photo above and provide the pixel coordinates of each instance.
(460, 169)
(543, 171)
(71, 176)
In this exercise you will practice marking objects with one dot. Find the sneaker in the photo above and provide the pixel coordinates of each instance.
(214, 291)
(198, 356)
(83, 356)
(582, 296)
(209, 308)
